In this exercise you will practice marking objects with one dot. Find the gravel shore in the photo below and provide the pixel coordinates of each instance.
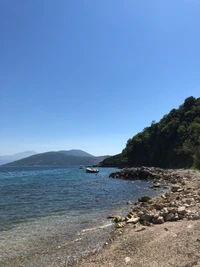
(168, 243)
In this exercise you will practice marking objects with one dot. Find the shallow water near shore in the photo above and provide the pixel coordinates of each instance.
(53, 215)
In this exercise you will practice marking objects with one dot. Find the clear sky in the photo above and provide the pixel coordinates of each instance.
(90, 74)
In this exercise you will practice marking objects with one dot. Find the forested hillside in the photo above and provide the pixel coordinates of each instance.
(173, 142)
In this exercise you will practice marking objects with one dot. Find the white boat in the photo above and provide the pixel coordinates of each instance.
(92, 170)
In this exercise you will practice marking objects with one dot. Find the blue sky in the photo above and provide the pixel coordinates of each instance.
(91, 74)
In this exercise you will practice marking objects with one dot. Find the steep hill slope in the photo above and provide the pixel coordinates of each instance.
(173, 142)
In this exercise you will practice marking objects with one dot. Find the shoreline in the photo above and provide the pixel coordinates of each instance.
(123, 245)
(162, 242)
(58, 240)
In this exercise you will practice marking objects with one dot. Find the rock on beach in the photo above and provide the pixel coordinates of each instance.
(179, 203)
(157, 175)
(174, 239)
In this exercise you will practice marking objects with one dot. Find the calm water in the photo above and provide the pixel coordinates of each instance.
(57, 211)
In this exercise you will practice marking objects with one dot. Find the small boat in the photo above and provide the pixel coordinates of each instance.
(92, 170)
(81, 167)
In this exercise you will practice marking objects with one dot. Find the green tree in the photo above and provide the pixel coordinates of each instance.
(172, 142)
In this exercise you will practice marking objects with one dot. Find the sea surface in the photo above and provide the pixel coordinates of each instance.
(50, 216)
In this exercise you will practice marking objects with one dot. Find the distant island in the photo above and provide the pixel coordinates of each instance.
(173, 142)
(59, 158)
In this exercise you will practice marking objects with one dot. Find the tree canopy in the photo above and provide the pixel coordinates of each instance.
(173, 142)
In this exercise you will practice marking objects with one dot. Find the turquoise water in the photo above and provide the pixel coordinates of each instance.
(42, 207)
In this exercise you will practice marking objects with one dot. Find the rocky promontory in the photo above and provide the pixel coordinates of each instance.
(180, 202)
(150, 173)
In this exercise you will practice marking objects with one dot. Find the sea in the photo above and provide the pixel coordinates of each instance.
(52, 216)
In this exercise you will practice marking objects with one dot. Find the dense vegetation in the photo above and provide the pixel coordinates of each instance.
(114, 161)
(174, 142)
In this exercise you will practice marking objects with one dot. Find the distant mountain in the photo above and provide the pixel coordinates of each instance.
(60, 158)
(9, 158)
(76, 152)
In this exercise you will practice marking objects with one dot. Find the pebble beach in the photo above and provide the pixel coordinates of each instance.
(163, 231)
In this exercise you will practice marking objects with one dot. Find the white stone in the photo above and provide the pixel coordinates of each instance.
(133, 220)
(182, 210)
(127, 259)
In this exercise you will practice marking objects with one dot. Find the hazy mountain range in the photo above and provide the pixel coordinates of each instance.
(58, 158)
(9, 158)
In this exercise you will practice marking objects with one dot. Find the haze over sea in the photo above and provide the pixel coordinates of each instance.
(49, 214)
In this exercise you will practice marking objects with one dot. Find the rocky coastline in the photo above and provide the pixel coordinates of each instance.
(180, 202)
(154, 228)
(171, 176)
